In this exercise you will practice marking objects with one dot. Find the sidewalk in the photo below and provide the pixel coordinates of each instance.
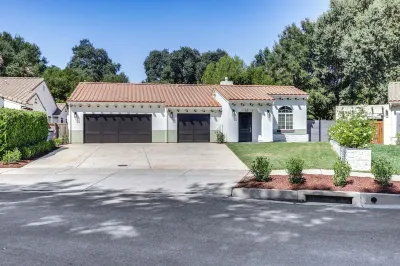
(131, 180)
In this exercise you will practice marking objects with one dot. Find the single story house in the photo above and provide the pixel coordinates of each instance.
(386, 116)
(127, 113)
(29, 94)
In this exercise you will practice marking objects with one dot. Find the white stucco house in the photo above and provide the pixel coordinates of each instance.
(126, 112)
(30, 94)
(387, 116)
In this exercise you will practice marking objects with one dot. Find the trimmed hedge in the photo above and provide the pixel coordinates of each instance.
(19, 128)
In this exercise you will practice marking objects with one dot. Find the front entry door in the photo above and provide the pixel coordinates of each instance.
(245, 120)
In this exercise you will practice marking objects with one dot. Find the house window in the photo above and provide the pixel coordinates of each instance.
(62, 120)
(285, 118)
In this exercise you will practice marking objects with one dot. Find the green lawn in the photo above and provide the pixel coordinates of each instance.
(390, 152)
(317, 155)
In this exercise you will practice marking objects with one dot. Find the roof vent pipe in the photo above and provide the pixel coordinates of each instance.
(226, 82)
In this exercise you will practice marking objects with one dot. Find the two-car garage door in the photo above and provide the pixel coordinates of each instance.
(117, 128)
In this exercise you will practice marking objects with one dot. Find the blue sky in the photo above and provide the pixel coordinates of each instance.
(129, 30)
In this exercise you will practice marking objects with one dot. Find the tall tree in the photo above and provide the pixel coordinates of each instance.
(62, 82)
(19, 58)
(290, 62)
(155, 64)
(232, 67)
(356, 47)
(185, 65)
(261, 58)
(95, 63)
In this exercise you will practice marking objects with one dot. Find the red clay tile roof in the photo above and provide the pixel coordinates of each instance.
(257, 92)
(170, 94)
(174, 95)
(18, 89)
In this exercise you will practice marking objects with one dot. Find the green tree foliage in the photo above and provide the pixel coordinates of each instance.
(232, 67)
(356, 48)
(62, 82)
(185, 65)
(19, 58)
(95, 63)
(261, 58)
(290, 62)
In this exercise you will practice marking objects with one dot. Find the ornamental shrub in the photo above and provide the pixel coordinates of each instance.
(20, 128)
(353, 129)
(27, 153)
(11, 156)
(261, 169)
(294, 168)
(382, 170)
(342, 171)
(220, 137)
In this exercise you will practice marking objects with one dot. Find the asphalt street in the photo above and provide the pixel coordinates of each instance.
(112, 228)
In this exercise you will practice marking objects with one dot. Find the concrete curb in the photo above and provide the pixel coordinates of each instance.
(359, 199)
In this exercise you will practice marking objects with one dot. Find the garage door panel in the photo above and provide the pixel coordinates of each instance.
(117, 128)
(193, 128)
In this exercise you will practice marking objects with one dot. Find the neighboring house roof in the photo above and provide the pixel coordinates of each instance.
(60, 108)
(19, 89)
(394, 92)
(175, 95)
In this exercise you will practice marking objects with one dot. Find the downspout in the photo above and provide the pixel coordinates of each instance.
(69, 124)
(166, 137)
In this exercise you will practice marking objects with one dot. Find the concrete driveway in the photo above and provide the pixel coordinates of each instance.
(205, 168)
(202, 156)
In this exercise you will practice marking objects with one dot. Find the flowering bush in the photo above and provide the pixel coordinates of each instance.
(353, 129)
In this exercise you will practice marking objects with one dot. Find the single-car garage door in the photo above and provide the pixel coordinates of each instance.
(193, 128)
(117, 128)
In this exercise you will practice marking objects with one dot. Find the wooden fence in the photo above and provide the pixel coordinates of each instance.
(60, 129)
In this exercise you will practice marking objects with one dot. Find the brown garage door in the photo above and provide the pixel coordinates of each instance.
(117, 128)
(193, 128)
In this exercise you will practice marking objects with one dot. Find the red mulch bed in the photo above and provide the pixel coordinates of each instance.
(15, 165)
(321, 182)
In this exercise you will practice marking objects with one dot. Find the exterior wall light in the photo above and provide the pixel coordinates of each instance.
(195, 110)
(115, 106)
(141, 106)
(187, 110)
(106, 105)
(80, 105)
(251, 104)
(268, 114)
(204, 111)
(75, 115)
(242, 104)
(89, 105)
(260, 104)
(124, 106)
(177, 110)
(133, 106)
(98, 105)
(150, 106)
(171, 114)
